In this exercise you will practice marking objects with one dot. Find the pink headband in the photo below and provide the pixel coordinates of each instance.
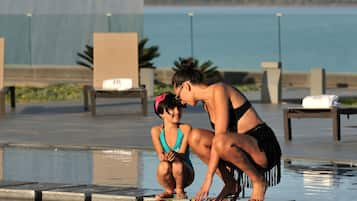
(158, 100)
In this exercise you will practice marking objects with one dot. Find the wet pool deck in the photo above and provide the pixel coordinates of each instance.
(118, 124)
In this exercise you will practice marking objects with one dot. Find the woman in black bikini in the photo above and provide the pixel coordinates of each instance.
(241, 140)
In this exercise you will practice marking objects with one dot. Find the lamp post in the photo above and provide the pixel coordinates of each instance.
(29, 16)
(191, 14)
(279, 36)
(109, 15)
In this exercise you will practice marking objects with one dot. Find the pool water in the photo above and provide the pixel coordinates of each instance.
(301, 180)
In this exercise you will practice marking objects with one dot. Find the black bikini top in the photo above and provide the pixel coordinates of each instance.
(235, 114)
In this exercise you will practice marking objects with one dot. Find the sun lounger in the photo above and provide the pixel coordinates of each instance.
(115, 57)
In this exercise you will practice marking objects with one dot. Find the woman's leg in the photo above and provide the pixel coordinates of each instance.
(165, 179)
(237, 149)
(183, 175)
(200, 141)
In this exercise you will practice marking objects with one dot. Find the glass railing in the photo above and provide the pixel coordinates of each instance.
(55, 39)
(233, 38)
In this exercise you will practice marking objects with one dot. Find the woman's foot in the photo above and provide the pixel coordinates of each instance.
(163, 195)
(230, 191)
(259, 189)
(181, 195)
(235, 195)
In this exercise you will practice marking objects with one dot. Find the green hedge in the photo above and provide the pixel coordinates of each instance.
(74, 92)
(51, 93)
(160, 88)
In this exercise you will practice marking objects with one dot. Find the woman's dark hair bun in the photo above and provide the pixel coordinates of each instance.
(189, 63)
(186, 69)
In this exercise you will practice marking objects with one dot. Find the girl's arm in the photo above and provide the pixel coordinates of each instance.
(155, 137)
(186, 129)
(220, 106)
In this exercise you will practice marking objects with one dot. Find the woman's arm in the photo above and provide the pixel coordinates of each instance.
(155, 137)
(220, 107)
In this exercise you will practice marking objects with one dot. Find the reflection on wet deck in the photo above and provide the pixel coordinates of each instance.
(325, 178)
(104, 167)
(133, 173)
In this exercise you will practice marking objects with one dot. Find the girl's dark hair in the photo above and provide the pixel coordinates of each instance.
(187, 72)
(164, 102)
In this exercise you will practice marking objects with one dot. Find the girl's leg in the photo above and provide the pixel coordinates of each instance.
(183, 175)
(237, 149)
(165, 179)
(200, 141)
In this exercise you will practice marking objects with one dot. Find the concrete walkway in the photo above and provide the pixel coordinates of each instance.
(120, 125)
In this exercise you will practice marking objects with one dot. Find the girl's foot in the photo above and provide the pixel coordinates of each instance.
(181, 195)
(164, 195)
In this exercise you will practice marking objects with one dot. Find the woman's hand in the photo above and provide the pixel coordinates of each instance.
(204, 190)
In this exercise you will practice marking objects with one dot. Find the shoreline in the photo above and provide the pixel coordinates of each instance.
(217, 4)
(334, 80)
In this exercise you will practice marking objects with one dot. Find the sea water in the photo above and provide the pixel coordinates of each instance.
(240, 38)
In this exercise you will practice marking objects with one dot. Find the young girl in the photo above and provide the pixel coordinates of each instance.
(175, 171)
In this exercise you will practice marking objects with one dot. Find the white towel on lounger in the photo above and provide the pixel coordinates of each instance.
(118, 84)
(320, 101)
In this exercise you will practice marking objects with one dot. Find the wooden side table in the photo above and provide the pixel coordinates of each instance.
(334, 113)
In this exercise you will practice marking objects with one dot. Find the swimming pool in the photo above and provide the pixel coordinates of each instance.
(301, 180)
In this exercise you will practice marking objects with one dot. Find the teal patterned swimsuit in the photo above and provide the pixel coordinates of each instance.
(177, 145)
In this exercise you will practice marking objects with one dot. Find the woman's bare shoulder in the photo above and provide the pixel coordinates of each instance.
(220, 89)
(218, 85)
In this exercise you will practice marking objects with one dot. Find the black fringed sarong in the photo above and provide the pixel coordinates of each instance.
(268, 143)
